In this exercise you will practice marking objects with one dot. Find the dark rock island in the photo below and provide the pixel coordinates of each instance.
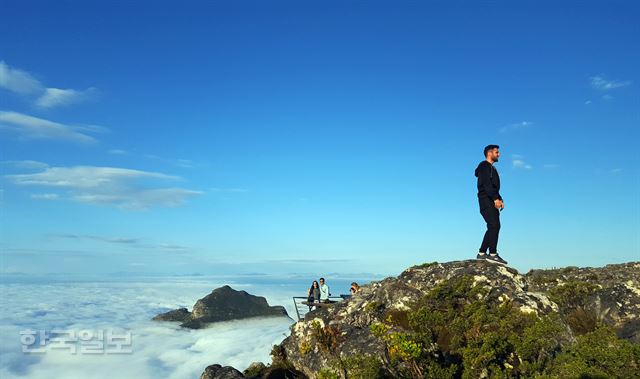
(470, 319)
(222, 304)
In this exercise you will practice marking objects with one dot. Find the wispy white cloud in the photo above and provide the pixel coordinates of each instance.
(25, 164)
(518, 162)
(118, 152)
(616, 170)
(30, 127)
(120, 187)
(228, 190)
(599, 82)
(85, 177)
(180, 162)
(23, 83)
(184, 163)
(45, 196)
(167, 246)
(140, 199)
(53, 97)
(305, 261)
(607, 97)
(135, 242)
(516, 126)
(18, 81)
(117, 240)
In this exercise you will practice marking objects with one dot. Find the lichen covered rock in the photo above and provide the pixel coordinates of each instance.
(391, 325)
(474, 319)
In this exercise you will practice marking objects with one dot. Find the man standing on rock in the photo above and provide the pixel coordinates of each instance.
(490, 203)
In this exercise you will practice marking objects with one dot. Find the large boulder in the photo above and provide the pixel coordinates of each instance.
(219, 372)
(473, 319)
(222, 304)
(611, 296)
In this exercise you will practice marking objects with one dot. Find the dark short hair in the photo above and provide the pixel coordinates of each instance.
(322, 279)
(490, 147)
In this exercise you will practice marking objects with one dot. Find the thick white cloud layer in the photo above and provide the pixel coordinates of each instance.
(160, 349)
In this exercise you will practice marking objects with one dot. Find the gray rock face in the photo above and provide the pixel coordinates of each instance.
(256, 370)
(222, 304)
(180, 314)
(608, 295)
(616, 301)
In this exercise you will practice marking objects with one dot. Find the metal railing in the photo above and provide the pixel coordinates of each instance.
(302, 306)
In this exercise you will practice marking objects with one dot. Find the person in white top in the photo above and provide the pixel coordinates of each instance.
(324, 291)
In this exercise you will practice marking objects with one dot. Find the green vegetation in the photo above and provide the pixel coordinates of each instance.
(362, 367)
(327, 338)
(453, 332)
(353, 367)
(327, 373)
(253, 371)
(572, 294)
(572, 298)
(305, 348)
(598, 354)
(425, 265)
(371, 307)
(544, 277)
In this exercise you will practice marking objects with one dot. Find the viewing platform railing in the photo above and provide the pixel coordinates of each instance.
(302, 306)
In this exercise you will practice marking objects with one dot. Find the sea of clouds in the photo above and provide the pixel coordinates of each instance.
(158, 349)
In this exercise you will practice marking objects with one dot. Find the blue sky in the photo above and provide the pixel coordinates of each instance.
(295, 137)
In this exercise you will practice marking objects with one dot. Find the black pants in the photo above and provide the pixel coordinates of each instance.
(492, 216)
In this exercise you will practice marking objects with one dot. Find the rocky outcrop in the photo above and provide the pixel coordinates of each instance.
(474, 319)
(180, 314)
(219, 372)
(350, 321)
(256, 370)
(222, 304)
(610, 294)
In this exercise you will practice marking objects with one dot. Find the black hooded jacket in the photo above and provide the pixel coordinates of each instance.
(488, 181)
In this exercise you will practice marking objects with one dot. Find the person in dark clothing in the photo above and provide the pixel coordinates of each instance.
(313, 294)
(491, 204)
